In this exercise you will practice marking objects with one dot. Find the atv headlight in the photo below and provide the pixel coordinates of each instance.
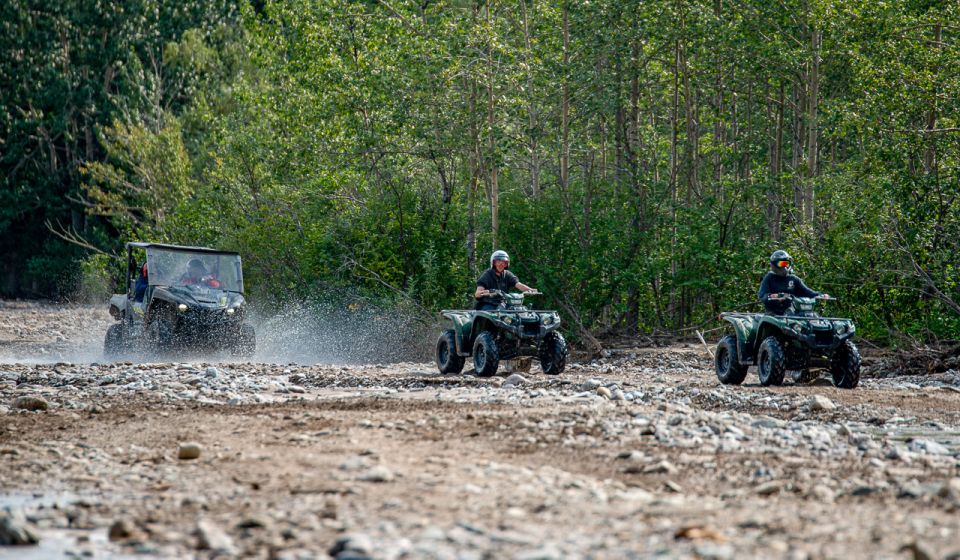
(182, 307)
(507, 319)
(548, 320)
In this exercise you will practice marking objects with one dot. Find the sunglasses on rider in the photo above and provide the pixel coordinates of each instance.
(782, 264)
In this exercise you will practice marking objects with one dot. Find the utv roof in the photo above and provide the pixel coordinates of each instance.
(179, 248)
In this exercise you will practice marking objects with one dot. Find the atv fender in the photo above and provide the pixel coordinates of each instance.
(462, 328)
(745, 327)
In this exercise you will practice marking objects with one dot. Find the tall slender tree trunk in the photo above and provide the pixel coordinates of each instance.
(565, 103)
(534, 134)
(796, 150)
(492, 140)
(813, 100)
(930, 154)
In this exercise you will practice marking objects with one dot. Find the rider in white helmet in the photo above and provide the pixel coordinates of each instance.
(497, 277)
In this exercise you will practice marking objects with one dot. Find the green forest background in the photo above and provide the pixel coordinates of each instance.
(639, 160)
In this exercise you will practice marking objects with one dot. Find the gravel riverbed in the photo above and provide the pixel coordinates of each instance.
(640, 454)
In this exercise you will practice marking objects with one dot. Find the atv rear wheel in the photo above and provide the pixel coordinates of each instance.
(113, 342)
(447, 359)
(486, 357)
(845, 366)
(727, 362)
(553, 354)
(771, 362)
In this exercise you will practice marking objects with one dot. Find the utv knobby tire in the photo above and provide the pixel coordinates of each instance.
(448, 361)
(113, 342)
(771, 363)
(845, 366)
(727, 362)
(553, 354)
(164, 335)
(486, 357)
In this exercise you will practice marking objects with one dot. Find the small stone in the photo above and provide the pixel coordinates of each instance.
(15, 530)
(618, 395)
(590, 385)
(823, 493)
(820, 402)
(515, 380)
(769, 488)
(920, 445)
(918, 551)
(604, 392)
(121, 529)
(951, 490)
(30, 402)
(661, 467)
(211, 537)
(378, 473)
(357, 543)
(188, 450)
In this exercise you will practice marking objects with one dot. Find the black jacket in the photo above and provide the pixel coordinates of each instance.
(789, 284)
(489, 280)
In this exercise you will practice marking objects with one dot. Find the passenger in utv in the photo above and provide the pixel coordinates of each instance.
(780, 280)
(498, 278)
(197, 274)
(140, 288)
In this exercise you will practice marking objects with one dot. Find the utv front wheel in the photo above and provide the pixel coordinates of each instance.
(245, 346)
(553, 354)
(486, 358)
(448, 362)
(845, 366)
(113, 342)
(771, 362)
(727, 362)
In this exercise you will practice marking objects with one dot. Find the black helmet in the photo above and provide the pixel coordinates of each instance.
(196, 264)
(781, 262)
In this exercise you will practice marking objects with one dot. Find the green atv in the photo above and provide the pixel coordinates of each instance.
(510, 332)
(798, 341)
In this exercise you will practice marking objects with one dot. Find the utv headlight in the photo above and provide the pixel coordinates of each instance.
(182, 307)
(231, 310)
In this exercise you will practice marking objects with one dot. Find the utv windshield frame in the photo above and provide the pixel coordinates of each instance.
(166, 265)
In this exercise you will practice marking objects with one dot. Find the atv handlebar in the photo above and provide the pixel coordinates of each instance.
(787, 297)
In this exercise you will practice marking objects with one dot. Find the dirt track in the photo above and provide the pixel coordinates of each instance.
(638, 455)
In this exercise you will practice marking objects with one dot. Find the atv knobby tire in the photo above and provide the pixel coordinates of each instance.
(486, 357)
(553, 354)
(448, 362)
(727, 362)
(113, 341)
(845, 366)
(771, 363)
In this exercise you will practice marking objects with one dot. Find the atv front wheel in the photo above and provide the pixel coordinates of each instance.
(486, 358)
(727, 361)
(553, 354)
(845, 366)
(447, 359)
(771, 362)
(113, 342)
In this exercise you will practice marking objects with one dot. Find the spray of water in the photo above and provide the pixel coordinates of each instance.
(305, 332)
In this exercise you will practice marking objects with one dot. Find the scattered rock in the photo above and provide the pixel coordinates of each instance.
(15, 530)
(378, 473)
(188, 450)
(604, 392)
(769, 488)
(212, 537)
(920, 445)
(699, 532)
(352, 543)
(30, 402)
(820, 402)
(514, 380)
(121, 529)
(918, 551)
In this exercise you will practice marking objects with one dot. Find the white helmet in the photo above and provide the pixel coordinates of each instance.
(499, 256)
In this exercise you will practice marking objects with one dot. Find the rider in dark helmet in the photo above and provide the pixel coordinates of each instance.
(497, 277)
(780, 280)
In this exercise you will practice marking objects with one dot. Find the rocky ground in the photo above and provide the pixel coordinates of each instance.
(639, 454)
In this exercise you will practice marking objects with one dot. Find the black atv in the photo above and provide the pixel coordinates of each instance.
(798, 341)
(510, 333)
(180, 298)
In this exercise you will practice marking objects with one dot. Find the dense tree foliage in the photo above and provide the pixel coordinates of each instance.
(639, 160)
